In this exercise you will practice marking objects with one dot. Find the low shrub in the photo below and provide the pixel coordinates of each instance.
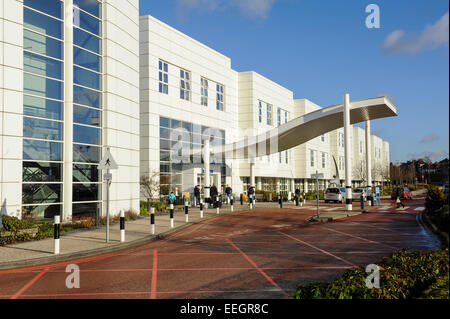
(403, 275)
(412, 187)
(435, 199)
(13, 224)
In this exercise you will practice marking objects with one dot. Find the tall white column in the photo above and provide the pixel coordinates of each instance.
(348, 149)
(68, 111)
(252, 173)
(206, 160)
(258, 183)
(368, 159)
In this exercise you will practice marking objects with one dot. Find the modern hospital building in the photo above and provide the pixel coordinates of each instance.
(80, 76)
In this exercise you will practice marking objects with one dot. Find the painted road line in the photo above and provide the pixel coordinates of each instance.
(402, 209)
(154, 274)
(384, 208)
(357, 237)
(29, 284)
(269, 279)
(332, 209)
(319, 249)
(419, 209)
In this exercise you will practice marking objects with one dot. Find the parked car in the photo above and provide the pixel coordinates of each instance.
(356, 194)
(334, 194)
(404, 192)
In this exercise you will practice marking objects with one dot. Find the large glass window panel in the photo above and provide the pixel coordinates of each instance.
(165, 122)
(37, 85)
(86, 154)
(41, 23)
(42, 151)
(86, 59)
(41, 65)
(51, 7)
(164, 132)
(41, 44)
(91, 6)
(41, 193)
(41, 172)
(42, 129)
(85, 209)
(86, 22)
(86, 97)
(84, 115)
(85, 173)
(85, 192)
(86, 78)
(39, 107)
(86, 135)
(42, 211)
(86, 40)
(164, 144)
(164, 156)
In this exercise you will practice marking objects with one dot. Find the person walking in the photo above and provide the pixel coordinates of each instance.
(197, 195)
(228, 192)
(172, 198)
(251, 194)
(213, 195)
(398, 200)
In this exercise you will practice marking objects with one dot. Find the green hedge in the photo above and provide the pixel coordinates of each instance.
(435, 199)
(403, 275)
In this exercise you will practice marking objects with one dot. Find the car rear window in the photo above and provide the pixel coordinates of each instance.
(333, 190)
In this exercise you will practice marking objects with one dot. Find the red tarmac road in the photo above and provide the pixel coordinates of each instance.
(252, 254)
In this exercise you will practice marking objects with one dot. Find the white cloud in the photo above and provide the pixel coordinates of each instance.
(251, 8)
(434, 156)
(431, 38)
(429, 138)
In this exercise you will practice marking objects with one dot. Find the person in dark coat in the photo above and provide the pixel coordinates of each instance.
(228, 192)
(197, 195)
(213, 194)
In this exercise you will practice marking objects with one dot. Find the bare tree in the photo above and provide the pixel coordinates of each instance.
(150, 186)
(359, 172)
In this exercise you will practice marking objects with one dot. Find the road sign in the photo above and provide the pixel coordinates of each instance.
(317, 176)
(108, 161)
(107, 177)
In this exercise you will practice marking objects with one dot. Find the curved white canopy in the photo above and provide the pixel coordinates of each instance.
(305, 128)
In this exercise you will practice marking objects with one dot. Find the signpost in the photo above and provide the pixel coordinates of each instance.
(107, 163)
(317, 176)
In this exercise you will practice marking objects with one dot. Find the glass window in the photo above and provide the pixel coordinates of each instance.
(164, 156)
(269, 114)
(42, 129)
(85, 173)
(86, 78)
(40, 86)
(86, 135)
(86, 97)
(88, 116)
(86, 40)
(260, 112)
(165, 122)
(41, 172)
(91, 6)
(51, 7)
(85, 209)
(86, 22)
(185, 85)
(85, 192)
(42, 24)
(41, 44)
(312, 158)
(86, 154)
(324, 160)
(164, 144)
(164, 132)
(41, 65)
(279, 116)
(39, 107)
(163, 78)
(43, 211)
(85, 59)
(204, 92)
(220, 99)
(42, 151)
(41, 193)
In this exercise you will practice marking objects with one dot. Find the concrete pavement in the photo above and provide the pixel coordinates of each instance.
(89, 242)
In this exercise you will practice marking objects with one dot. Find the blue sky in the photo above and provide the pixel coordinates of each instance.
(323, 49)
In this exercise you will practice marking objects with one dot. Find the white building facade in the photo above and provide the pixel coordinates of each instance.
(69, 90)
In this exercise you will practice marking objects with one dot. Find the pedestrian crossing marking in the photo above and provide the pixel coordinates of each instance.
(332, 209)
(419, 209)
(403, 208)
(383, 208)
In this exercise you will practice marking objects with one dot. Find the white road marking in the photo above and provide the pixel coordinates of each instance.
(419, 209)
(402, 209)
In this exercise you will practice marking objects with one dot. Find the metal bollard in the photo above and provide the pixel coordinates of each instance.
(301, 201)
(152, 220)
(201, 209)
(122, 226)
(362, 202)
(251, 202)
(56, 234)
(242, 199)
(280, 201)
(171, 216)
(371, 201)
(186, 211)
(218, 206)
(304, 198)
(232, 202)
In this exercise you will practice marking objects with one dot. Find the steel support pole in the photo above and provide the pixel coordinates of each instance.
(206, 160)
(368, 160)
(348, 150)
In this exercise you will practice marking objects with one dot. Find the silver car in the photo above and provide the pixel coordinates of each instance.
(356, 194)
(334, 194)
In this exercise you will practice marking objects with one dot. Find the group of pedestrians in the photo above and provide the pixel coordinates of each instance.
(213, 195)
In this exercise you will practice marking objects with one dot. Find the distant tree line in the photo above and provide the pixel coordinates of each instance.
(420, 170)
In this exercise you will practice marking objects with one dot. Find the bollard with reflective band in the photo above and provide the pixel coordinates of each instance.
(304, 198)
(186, 211)
(232, 202)
(122, 226)
(301, 201)
(218, 205)
(171, 216)
(56, 233)
(201, 209)
(152, 220)
(251, 202)
(242, 199)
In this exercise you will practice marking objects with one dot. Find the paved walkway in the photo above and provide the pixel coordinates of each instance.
(83, 243)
